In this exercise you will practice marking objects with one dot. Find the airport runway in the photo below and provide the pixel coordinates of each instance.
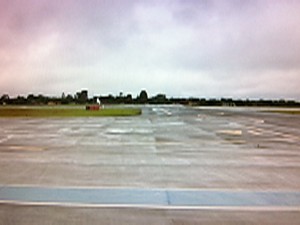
(171, 165)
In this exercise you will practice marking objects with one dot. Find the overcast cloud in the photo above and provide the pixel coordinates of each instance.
(201, 48)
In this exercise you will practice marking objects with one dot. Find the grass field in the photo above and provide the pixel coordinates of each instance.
(9, 111)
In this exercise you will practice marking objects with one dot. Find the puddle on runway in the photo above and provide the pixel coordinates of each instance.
(230, 132)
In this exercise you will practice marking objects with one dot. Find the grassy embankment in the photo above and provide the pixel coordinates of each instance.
(65, 112)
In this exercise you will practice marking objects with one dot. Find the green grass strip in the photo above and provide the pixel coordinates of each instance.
(65, 112)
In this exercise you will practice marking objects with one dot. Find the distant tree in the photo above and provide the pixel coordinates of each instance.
(30, 99)
(20, 100)
(41, 99)
(110, 99)
(128, 99)
(159, 99)
(64, 101)
(68, 99)
(81, 97)
(143, 97)
(4, 99)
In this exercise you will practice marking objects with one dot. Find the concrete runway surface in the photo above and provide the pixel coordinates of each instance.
(171, 165)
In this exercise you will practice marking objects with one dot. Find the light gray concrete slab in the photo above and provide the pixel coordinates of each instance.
(28, 215)
(166, 147)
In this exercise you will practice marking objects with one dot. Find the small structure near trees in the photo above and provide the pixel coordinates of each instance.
(94, 107)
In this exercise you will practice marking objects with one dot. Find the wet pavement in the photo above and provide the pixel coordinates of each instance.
(218, 150)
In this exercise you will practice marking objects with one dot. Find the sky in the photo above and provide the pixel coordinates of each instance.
(182, 48)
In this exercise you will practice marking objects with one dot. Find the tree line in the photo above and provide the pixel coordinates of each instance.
(81, 97)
